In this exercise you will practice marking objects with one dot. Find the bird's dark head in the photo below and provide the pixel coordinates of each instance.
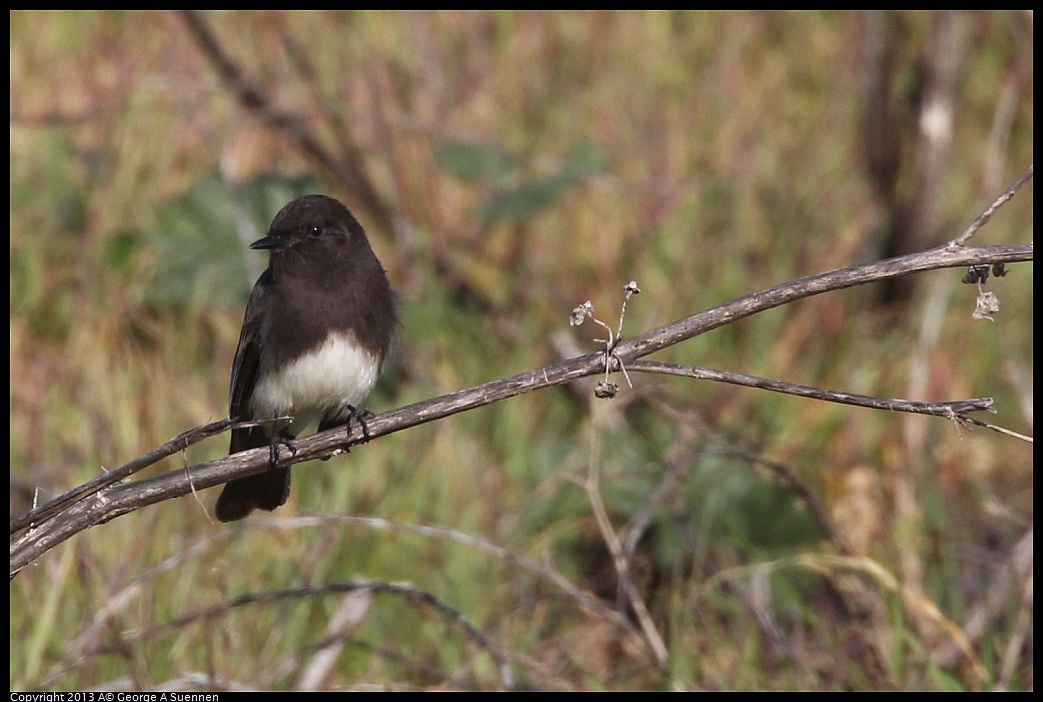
(312, 223)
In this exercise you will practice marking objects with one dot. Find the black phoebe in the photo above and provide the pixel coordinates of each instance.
(318, 325)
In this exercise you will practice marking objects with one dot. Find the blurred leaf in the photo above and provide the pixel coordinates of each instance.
(526, 200)
(493, 165)
(586, 158)
(739, 507)
(470, 161)
(120, 249)
(50, 192)
(201, 242)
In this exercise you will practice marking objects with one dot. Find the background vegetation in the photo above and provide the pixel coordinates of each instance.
(509, 166)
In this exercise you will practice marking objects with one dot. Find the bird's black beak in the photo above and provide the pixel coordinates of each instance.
(269, 242)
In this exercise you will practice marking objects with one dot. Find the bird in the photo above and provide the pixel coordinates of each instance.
(318, 326)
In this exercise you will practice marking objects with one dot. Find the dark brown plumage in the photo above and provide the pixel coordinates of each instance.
(318, 326)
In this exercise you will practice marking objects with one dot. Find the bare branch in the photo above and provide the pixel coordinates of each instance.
(178, 443)
(118, 500)
(837, 279)
(404, 590)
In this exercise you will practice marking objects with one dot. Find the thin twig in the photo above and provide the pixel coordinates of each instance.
(829, 565)
(955, 408)
(999, 430)
(652, 639)
(999, 202)
(401, 589)
(583, 599)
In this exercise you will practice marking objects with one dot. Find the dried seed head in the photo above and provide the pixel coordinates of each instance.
(581, 313)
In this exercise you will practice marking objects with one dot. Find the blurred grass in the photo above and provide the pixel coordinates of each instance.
(543, 159)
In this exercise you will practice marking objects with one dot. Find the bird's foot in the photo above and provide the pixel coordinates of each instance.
(273, 449)
(357, 416)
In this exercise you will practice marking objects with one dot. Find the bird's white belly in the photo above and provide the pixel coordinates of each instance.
(323, 381)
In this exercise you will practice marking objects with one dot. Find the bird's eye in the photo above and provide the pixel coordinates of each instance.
(314, 231)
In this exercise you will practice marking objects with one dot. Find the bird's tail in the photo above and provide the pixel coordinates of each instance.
(266, 490)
